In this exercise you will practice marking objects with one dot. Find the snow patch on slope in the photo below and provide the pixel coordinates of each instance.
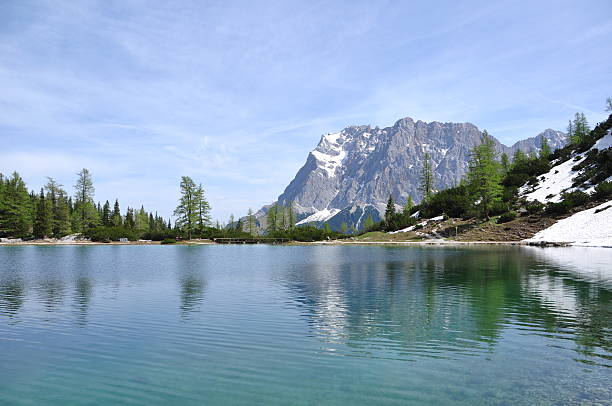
(604, 142)
(321, 215)
(585, 228)
(561, 177)
(329, 153)
(557, 180)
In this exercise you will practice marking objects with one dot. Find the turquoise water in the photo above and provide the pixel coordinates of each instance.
(305, 325)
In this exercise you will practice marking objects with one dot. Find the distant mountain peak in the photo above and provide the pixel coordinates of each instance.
(361, 165)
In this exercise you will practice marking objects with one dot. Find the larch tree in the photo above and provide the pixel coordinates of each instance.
(426, 184)
(484, 174)
(505, 162)
(291, 215)
(408, 206)
(85, 209)
(272, 218)
(60, 207)
(203, 209)
(545, 150)
(187, 209)
(578, 130)
(251, 225)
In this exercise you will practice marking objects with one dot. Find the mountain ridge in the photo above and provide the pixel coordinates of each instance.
(362, 165)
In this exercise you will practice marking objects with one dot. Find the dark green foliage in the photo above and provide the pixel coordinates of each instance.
(603, 190)
(166, 241)
(454, 202)
(399, 221)
(498, 207)
(85, 214)
(16, 208)
(570, 200)
(507, 216)
(390, 210)
(102, 234)
(43, 218)
(484, 175)
(427, 180)
(535, 207)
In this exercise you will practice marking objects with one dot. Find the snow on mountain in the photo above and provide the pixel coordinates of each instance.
(588, 228)
(552, 184)
(561, 177)
(321, 215)
(360, 166)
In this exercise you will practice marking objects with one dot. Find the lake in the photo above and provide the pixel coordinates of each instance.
(305, 325)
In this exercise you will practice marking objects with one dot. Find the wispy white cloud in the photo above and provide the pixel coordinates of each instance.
(236, 93)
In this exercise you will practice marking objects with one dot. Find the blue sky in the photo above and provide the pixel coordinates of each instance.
(235, 94)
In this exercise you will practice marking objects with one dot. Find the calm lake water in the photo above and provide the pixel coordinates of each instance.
(305, 325)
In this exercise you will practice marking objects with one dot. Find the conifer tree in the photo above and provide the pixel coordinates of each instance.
(251, 226)
(188, 207)
(16, 216)
(368, 223)
(291, 215)
(408, 206)
(609, 104)
(272, 220)
(106, 214)
(343, 227)
(484, 174)
(116, 219)
(86, 213)
(426, 185)
(281, 221)
(203, 209)
(505, 162)
(578, 130)
(518, 158)
(545, 149)
(390, 210)
(60, 208)
(141, 220)
(130, 221)
(43, 218)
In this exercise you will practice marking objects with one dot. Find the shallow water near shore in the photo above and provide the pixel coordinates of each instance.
(191, 325)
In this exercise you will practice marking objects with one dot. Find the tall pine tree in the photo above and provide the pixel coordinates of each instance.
(426, 184)
(187, 209)
(484, 174)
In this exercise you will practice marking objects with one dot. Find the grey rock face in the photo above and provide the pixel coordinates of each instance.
(361, 166)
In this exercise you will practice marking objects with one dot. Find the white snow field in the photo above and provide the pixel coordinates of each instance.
(560, 178)
(587, 228)
(321, 215)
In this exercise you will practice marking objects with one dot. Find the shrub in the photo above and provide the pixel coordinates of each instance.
(498, 207)
(576, 198)
(507, 216)
(106, 234)
(534, 207)
(168, 241)
(603, 190)
(562, 207)
(570, 200)
(454, 202)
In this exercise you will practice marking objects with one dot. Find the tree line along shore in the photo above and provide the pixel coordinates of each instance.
(490, 191)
